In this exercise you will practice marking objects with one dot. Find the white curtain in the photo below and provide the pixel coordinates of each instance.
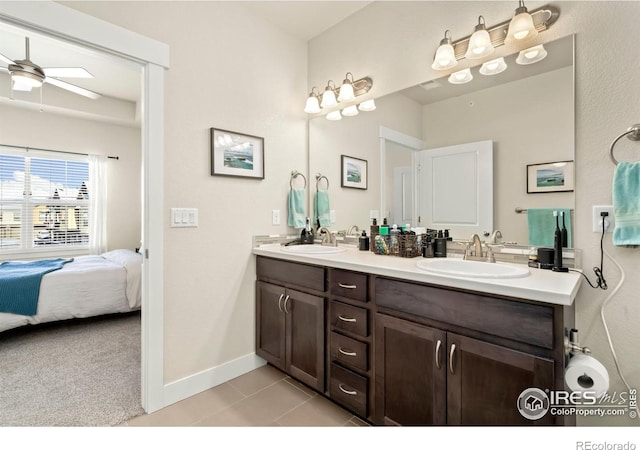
(97, 204)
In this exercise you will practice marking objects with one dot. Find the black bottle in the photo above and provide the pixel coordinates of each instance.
(440, 250)
(565, 238)
(375, 230)
(557, 246)
(427, 248)
(363, 241)
(306, 235)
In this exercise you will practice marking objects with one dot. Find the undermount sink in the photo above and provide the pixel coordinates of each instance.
(312, 249)
(472, 269)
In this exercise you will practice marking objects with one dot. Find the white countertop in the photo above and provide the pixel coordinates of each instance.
(541, 285)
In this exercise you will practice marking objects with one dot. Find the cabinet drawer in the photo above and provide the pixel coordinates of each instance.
(349, 318)
(349, 389)
(349, 351)
(293, 274)
(352, 285)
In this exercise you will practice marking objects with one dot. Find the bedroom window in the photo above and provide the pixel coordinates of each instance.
(44, 202)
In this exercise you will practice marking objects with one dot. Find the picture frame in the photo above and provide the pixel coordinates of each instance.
(354, 172)
(236, 154)
(555, 176)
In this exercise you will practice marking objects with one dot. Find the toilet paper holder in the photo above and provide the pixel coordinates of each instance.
(571, 344)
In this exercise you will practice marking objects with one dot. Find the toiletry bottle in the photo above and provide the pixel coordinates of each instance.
(427, 248)
(440, 250)
(375, 230)
(306, 235)
(363, 241)
(395, 245)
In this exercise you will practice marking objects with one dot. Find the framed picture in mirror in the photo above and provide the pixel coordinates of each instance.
(353, 172)
(550, 177)
(236, 155)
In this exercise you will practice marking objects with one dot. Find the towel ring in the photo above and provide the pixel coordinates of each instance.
(319, 178)
(632, 133)
(296, 174)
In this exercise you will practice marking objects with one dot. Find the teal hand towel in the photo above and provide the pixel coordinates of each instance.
(542, 226)
(322, 213)
(626, 204)
(296, 217)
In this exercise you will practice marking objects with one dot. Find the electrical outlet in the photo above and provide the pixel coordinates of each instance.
(332, 216)
(597, 218)
(275, 217)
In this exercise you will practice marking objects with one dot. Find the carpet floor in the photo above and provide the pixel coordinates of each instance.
(75, 373)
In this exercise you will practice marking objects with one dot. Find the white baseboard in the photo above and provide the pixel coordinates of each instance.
(196, 383)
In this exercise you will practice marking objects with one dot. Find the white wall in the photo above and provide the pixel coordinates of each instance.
(230, 70)
(29, 128)
(395, 47)
(529, 121)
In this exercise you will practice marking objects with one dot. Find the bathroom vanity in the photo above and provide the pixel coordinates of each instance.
(399, 346)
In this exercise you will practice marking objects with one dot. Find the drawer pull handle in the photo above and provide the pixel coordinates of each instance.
(280, 302)
(438, 345)
(346, 319)
(451, 353)
(347, 353)
(347, 286)
(346, 391)
(286, 300)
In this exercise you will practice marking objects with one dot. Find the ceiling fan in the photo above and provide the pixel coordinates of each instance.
(26, 75)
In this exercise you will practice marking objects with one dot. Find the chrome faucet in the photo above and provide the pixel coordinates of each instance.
(352, 229)
(327, 237)
(475, 241)
(493, 239)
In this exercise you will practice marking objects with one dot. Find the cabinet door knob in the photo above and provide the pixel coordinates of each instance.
(346, 391)
(451, 353)
(286, 300)
(347, 286)
(346, 319)
(347, 353)
(438, 345)
(280, 302)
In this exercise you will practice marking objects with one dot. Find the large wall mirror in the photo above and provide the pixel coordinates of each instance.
(527, 111)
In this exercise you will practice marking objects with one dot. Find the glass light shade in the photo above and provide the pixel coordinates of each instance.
(328, 98)
(350, 111)
(493, 67)
(480, 42)
(521, 27)
(346, 92)
(445, 56)
(26, 80)
(367, 105)
(531, 55)
(312, 106)
(334, 115)
(461, 77)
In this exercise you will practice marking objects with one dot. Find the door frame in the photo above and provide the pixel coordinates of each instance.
(61, 22)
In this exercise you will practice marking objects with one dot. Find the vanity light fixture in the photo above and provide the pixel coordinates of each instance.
(493, 67)
(334, 115)
(329, 96)
(346, 90)
(531, 55)
(313, 105)
(467, 47)
(461, 76)
(479, 42)
(445, 57)
(350, 111)
(367, 105)
(521, 26)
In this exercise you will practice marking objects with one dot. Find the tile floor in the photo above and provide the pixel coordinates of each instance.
(262, 397)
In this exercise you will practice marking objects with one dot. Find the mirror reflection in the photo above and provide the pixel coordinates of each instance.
(526, 111)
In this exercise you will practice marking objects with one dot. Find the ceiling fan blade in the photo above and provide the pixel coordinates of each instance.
(5, 59)
(72, 88)
(67, 72)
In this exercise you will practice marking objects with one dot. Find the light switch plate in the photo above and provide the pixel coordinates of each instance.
(275, 217)
(332, 216)
(184, 217)
(597, 218)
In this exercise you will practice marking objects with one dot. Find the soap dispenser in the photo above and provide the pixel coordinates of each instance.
(306, 235)
(363, 241)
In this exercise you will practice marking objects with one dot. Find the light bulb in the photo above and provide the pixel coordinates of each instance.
(493, 67)
(367, 105)
(312, 105)
(480, 42)
(461, 77)
(445, 55)
(531, 55)
(350, 111)
(334, 115)
(328, 97)
(521, 26)
(346, 90)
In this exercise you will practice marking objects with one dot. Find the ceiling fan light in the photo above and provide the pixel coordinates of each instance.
(531, 55)
(367, 105)
(480, 42)
(350, 111)
(26, 79)
(521, 26)
(445, 55)
(461, 76)
(493, 67)
(334, 115)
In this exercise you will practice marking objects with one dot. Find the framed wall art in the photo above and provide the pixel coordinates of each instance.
(236, 155)
(354, 172)
(550, 177)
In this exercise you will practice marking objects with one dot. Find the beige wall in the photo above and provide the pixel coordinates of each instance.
(396, 50)
(29, 128)
(230, 70)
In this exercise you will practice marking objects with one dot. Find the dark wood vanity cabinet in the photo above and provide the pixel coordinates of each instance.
(289, 321)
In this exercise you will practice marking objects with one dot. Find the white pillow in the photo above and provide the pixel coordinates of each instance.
(132, 262)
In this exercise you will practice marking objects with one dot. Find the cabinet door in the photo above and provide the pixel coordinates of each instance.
(270, 323)
(485, 380)
(410, 373)
(305, 338)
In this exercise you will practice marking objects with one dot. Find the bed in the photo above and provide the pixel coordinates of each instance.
(88, 286)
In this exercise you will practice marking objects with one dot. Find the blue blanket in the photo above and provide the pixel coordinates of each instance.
(20, 284)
